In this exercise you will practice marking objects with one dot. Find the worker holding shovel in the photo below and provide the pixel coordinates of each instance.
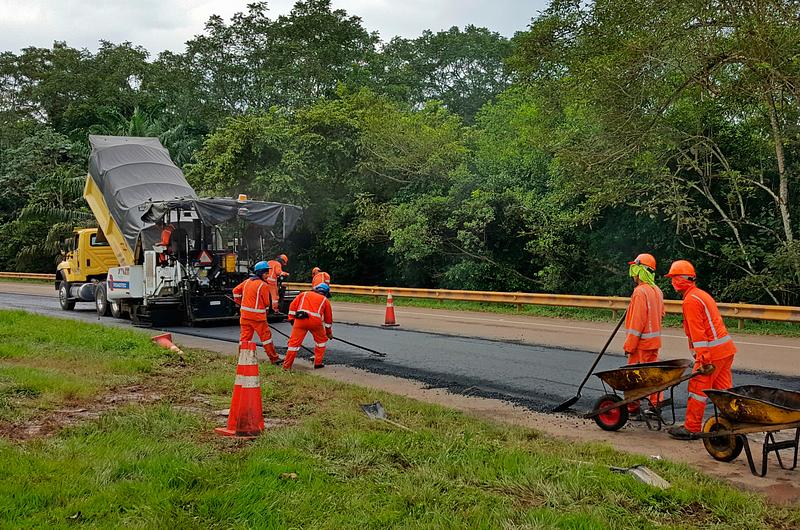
(643, 318)
(310, 311)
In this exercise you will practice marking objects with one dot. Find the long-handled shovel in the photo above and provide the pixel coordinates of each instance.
(373, 352)
(571, 401)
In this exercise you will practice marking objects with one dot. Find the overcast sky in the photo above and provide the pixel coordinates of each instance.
(168, 24)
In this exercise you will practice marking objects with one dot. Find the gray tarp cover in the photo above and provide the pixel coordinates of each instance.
(140, 183)
(132, 172)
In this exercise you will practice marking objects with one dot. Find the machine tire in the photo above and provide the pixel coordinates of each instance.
(101, 300)
(722, 448)
(116, 309)
(63, 297)
(614, 419)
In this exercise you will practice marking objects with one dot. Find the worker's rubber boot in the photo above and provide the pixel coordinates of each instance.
(318, 366)
(679, 432)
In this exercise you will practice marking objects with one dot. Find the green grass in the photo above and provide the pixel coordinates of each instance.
(26, 280)
(760, 327)
(157, 465)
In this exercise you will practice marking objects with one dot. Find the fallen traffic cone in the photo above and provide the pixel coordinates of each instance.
(246, 416)
(389, 321)
(165, 341)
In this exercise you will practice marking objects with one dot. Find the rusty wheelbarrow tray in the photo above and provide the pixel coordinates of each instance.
(637, 382)
(748, 409)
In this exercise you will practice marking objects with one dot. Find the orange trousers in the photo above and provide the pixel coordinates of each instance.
(248, 327)
(644, 356)
(720, 379)
(273, 295)
(299, 331)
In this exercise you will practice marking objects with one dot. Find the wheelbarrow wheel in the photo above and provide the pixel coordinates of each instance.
(614, 419)
(723, 448)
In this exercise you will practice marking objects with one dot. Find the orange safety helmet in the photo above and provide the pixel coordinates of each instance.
(315, 270)
(644, 259)
(284, 258)
(681, 268)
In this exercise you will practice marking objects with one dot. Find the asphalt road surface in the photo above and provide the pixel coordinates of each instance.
(538, 377)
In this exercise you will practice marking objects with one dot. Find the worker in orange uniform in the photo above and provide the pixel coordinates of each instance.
(252, 295)
(310, 311)
(643, 318)
(275, 273)
(711, 346)
(318, 276)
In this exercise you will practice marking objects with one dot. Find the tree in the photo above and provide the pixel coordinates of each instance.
(462, 69)
(684, 110)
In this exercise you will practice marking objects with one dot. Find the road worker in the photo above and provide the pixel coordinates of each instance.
(643, 318)
(252, 296)
(712, 348)
(310, 311)
(318, 276)
(276, 272)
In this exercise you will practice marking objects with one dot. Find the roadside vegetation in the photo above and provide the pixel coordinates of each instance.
(144, 455)
(459, 158)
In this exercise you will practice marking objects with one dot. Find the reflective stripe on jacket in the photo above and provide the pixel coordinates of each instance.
(320, 277)
(315, 305)
(643, 319)
(704, 327)
(253, 295)
(275, 270)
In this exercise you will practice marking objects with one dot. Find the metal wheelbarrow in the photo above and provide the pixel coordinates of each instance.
(637, 382)
(747, 409)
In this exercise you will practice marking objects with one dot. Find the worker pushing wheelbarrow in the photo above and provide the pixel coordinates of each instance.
(748, 409)
(638, 382)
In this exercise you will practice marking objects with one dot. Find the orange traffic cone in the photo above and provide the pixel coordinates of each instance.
(246, 416)
(165, 341)
(389, 321)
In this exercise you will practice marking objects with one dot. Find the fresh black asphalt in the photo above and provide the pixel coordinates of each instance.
(533, 376)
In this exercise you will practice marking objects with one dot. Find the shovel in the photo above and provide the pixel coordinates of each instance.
(571, 401)
(375, 411)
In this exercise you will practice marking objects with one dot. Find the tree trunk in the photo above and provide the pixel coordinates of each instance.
(783, 185)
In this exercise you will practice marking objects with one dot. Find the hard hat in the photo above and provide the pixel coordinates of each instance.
(644, 259)
(261, 267)
(315, 271)
(284, 258)
(323, 288)
(681, 268)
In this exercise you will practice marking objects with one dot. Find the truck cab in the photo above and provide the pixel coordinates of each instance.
(86, 261)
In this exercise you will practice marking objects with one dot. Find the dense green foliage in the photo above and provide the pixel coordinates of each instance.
(457, 159)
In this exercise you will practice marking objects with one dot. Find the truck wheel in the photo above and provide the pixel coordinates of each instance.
(63, 297)
(100, 300)
(116, 308)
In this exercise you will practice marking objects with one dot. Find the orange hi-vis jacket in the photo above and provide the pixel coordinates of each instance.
(275, 271)
(253, 295)
(643, 319)
(320, 277)
(316, 306)
(704, 327)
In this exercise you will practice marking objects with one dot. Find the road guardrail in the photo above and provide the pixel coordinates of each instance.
(614, 303)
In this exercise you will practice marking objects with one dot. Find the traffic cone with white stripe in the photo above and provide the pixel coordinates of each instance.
(246, 416)
(165, 341)
(389, 321)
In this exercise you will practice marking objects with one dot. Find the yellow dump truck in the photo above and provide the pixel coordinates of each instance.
(160, 252)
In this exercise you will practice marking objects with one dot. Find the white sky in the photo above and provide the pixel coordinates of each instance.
(168, 24)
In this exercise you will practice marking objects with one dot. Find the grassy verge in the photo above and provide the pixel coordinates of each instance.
(25, 280)
(156, 464)
(761, 327)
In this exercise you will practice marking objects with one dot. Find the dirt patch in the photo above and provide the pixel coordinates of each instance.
(51, 422)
